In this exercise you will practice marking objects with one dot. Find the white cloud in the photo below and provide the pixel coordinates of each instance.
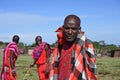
(29, 38)
(16, 19)
(27, 26)
(5, 38)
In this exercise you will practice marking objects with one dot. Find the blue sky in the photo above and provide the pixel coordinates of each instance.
(29, 18)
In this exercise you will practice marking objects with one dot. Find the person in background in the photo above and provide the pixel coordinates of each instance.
(10, 56)
(41, 56)
(73, 54)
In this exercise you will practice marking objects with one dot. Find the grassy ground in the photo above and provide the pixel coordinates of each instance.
(22, 66)
(108, 68)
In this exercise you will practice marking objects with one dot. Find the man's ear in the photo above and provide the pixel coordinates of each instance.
(80, 28)
(62, 26)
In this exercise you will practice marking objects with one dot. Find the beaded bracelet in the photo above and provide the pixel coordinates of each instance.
(13, 70)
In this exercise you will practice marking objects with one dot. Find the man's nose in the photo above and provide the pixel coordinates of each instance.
(70, 31)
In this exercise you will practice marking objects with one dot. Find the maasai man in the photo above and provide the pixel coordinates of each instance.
(41, 56)
(10, 55)
(73, 55)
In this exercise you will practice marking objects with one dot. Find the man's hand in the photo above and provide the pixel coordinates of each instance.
(13, 72)
(47, 71)
(31, 65)
(6, 69)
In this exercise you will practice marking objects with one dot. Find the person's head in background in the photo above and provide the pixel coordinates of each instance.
(38, 40)
(16, 39)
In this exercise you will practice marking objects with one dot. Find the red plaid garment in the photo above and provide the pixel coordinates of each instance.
(84, 61)
(65, 66)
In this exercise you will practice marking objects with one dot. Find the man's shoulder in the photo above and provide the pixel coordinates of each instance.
(45, 43)
(11, 44)
(89, 41)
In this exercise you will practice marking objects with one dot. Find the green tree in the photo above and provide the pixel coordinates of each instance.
(21, 45)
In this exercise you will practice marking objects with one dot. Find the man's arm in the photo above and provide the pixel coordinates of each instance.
(12, 65)
(33, 63)
(47, 53)
(47, 58)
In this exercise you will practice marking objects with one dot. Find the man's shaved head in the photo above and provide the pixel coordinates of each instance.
(73, 19)
(15, 38)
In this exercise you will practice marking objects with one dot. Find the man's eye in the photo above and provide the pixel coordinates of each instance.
(67, 28)
(74, 28)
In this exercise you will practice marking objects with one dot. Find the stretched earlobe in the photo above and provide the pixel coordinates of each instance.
(80, 28)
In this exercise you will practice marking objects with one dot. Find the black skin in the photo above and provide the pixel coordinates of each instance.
(71, 28)
(46, 49)
(12, 55)
(11, 63)
(38, 41)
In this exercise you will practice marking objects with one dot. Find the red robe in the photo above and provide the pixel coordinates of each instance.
(6, 73)
(41, 61)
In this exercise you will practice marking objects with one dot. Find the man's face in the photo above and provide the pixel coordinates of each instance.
(70, 30)
(38, 40)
